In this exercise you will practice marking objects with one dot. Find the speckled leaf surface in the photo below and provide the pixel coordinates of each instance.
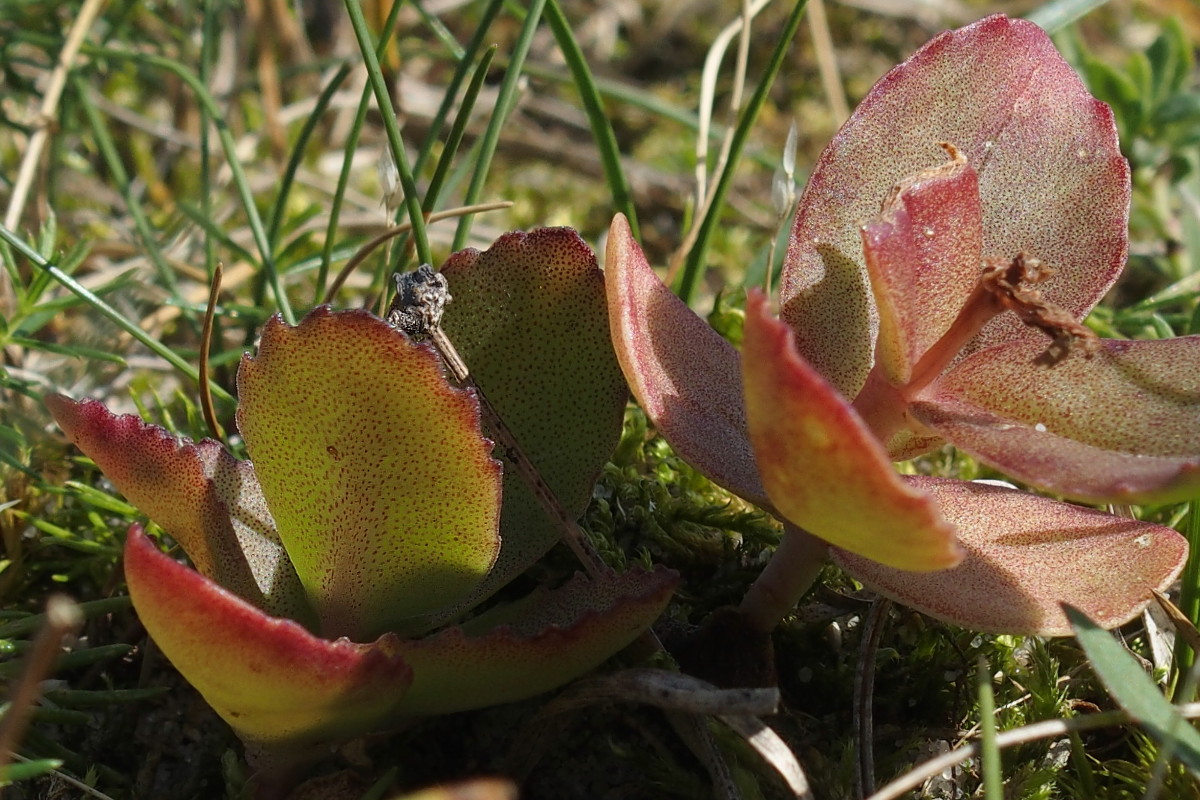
(1122, 426)
(528, 317)
(923, 256)
(382, 488)
(685, 376)
(275, 683)
(207, 500)
(822, 467)
(563, 634)
(1051, 179)
(1025, 556)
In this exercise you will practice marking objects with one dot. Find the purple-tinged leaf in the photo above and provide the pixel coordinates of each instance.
(823, 469)
(381, 485)
(1122, 426)
(683, 374)
(1052, 183)
(923, 255)
(1025, 556)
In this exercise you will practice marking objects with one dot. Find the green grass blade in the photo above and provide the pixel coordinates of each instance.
(696, 256)
(1189, 598)
(1058, 14)
(454, 139)
(306, 132)
(116, 168)
(993, 783)
(352, 137)
(1134, 690)
(602, 129)
(468, 57)
(399, 155)
(114, 316)
(504, 104)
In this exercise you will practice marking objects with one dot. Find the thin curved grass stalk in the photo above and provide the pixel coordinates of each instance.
(398, 230)
(1016, 737)
(61, 618)
(210, 313)
(696, 253)
(864, 693)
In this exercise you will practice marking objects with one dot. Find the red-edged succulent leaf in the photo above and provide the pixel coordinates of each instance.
(275, 683)
(207, 500)
(1026, 555)
(823, 469)
(528, 317)
(556, 636)
(923, 255)
(382, 487)
(683, 374)
(1121, 427)
(1051, 180)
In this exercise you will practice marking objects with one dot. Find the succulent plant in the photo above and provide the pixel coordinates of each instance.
(330, 567)
(973, 205)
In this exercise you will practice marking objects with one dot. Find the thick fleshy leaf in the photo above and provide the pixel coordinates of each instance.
(923, 255)
(1025, 556)
(1120, 427)
(275, 683)
(556, 636)
(684, 375)
(823, 469)
(208, 501)
(528, 317)
(381, 485)
(1051, 180)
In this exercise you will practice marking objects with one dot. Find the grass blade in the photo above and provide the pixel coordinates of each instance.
(1135, 691)
(602, 129)
(696, 256)
(504, 104)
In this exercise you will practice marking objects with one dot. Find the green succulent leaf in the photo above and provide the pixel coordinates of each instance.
(381, 485)
(207, 500)
(545, 640)
(528, 317)
(278, 686)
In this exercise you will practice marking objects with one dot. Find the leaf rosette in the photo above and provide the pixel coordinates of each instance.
(324, 570)
(973, 205)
